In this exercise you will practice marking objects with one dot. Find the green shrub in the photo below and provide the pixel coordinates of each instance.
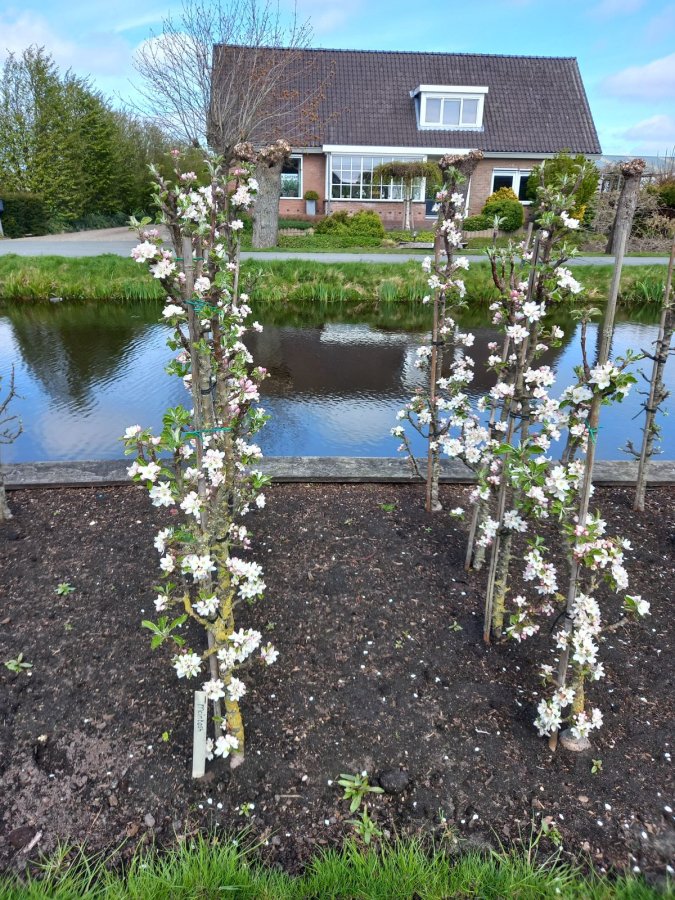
(476, 223)
(97, 220)
(298, 224)
(364, 222)
(422, 236)
(666, 193)
(311, 195)
(337, 240)
(551, 171)
(503, 193)
(23, 214)
(509, 211)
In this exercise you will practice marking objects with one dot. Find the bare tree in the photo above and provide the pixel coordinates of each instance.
(10, 429)
(631, 173)
(229, 72)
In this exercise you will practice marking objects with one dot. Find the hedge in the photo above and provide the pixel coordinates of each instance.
(364, 222)
(476, 223)
(23, 214)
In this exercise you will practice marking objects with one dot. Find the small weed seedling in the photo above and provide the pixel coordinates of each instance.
(455, 626)
(549, 828)
(18, 665)
(448, 831)
(387, 507)
(246, 810)
(64, 589)
(365, 827)
(596, 766)
(356, 787)
(166, 736)
(162, 630)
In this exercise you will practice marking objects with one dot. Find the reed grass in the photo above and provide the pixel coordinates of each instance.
(112, 278)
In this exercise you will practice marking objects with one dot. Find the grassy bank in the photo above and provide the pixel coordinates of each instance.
(400, 872)
(114, 278)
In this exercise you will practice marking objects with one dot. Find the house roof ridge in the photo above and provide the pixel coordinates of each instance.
(400, 52)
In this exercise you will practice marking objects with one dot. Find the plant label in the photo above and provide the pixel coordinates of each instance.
(199, 735)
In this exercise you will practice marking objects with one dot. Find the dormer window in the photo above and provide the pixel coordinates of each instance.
(449, 107)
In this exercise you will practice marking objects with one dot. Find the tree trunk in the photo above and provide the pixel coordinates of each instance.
(5, 511)
(625, 207)
(266, 212)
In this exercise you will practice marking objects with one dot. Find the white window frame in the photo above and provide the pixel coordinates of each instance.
(301, 173)
(461, 126)
(516, 174)
(384, 158)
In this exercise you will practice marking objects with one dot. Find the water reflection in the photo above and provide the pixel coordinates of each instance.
(338, 376)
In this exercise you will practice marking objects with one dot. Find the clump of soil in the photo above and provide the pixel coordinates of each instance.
(382, 668)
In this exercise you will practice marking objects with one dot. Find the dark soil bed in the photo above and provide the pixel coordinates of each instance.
(382, 667)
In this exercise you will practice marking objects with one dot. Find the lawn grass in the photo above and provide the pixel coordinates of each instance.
(114, 278)
(401, 871)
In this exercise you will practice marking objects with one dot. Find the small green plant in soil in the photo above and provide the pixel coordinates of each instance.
(63, 589)
(246, 810)
(596, 766)
(356, 787)
(18, 665)
(365, 827)
(387, 507)
(162, 630)
(550, 830)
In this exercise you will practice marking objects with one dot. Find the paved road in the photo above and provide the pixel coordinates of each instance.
(119, 242)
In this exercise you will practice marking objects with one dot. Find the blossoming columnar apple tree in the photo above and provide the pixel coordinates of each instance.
(202, 464)
(538, 489)
(441, 410)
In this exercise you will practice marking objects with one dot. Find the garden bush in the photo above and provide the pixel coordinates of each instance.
(23, 214)
(563, 165)
(93, 221)
(503, 193)
(509, 211)
(298, 224)
(666, 193)
(476, 223)
(364, 222)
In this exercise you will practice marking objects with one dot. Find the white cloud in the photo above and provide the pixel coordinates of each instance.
(656, 129)
(139, 22)
(660, 26)
(101, 55)
(653, 81)
(28, 28)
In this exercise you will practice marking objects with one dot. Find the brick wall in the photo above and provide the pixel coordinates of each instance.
(481, 180)
(313, 179)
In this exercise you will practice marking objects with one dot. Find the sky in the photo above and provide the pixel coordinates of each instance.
(625, 48)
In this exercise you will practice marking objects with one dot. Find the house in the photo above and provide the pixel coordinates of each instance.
(377, 106)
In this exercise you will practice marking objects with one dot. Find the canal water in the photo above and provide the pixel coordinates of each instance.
(338, 376)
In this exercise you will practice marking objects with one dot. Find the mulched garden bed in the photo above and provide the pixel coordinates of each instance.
(382, 667)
